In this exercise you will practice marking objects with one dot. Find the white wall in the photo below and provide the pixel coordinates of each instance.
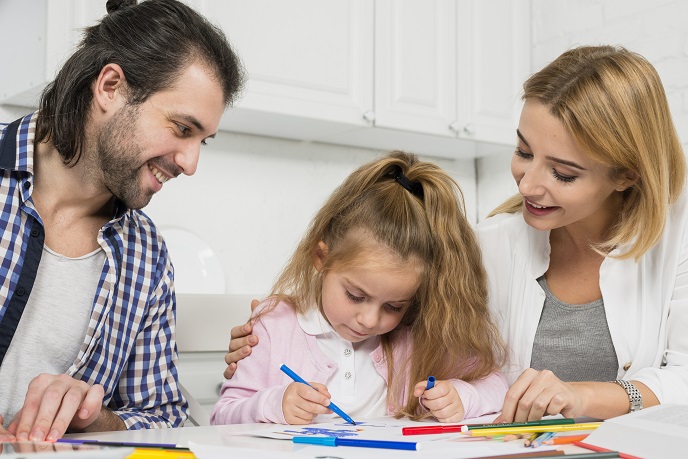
(658, 30)
(253, 197)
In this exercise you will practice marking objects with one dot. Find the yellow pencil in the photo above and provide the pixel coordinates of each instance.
(533, 429)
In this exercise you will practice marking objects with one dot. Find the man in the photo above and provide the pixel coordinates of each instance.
(87, 309)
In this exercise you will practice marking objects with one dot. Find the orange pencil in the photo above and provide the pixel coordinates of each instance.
(565, 440)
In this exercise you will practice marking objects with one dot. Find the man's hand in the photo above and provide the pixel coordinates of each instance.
(4, 434)
(240, 345)
(55, 403)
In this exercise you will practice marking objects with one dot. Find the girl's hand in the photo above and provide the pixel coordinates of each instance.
(539, 393)
(443, 401)
(301, 403)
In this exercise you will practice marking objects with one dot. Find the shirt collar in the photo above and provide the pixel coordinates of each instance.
(312, 322)
(16, 147)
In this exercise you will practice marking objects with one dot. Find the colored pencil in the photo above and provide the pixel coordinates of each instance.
(568, 439)
(533, 429)
(531, 437)
(541, 422)
(540, 454)
(599, 449)
(541, 438)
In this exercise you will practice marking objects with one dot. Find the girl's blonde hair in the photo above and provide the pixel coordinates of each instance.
(612, 102)
(449, 321)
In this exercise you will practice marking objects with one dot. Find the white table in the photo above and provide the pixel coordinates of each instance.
(229, 436)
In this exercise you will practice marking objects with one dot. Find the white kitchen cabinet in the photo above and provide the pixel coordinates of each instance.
(39, 36)
(435, 77)
(451, 67)
(493, 52)
(415, 65)
(310, 64)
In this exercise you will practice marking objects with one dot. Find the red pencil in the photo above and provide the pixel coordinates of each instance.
(599, 449)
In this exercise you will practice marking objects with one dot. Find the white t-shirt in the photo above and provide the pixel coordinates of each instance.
(53, 325)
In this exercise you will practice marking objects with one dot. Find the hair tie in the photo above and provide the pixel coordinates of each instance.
(415, 188)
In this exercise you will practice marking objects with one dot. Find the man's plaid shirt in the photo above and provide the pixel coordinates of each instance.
(130, 346)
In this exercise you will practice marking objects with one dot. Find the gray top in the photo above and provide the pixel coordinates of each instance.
(53, 326)
(573, 340)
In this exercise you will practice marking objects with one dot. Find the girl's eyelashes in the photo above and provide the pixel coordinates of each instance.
(354, 298)
(392, 308)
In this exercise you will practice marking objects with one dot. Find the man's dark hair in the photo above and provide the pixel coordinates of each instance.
(153, 42)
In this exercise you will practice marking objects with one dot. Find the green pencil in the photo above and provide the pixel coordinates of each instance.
(542, 422)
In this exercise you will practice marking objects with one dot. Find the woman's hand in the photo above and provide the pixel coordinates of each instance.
(301, 403)
(539, 393)
(442, 401)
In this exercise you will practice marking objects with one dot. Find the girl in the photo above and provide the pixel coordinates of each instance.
(385, 289)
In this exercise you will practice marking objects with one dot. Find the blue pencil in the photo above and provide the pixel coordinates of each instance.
(332, 406)
(541, 439)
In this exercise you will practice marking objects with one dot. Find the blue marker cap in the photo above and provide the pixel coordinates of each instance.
(313, 440)
(431, 383)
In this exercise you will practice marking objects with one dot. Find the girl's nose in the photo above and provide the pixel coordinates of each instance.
(368, 316)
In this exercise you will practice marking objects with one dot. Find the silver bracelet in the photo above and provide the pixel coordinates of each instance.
(635, 398)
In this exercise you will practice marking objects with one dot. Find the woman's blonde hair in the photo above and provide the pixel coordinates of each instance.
(612, 102)
(415, 209)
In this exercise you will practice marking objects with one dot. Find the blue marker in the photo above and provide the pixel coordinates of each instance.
(338, 441)
(431, 383)
(332, 406)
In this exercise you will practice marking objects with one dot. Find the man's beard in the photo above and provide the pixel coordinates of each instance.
(119, 156)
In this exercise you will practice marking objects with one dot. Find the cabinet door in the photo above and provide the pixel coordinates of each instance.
(415, 65)
(39, 36)
(494, 59)
(304, 58)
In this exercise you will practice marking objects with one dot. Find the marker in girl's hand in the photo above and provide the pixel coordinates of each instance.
(331, 406)
(431, 383)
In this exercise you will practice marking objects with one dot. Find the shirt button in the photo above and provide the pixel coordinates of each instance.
(35, 232)
(347, 352)
(347, 375)
(627, 366)
(20, 291)
(27, 185)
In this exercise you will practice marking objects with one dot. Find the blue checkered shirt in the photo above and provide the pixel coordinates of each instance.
(130, 346)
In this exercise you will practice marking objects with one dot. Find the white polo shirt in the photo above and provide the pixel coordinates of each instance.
(356, 386)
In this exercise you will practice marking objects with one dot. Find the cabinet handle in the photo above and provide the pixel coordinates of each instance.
(369, 116)
(454, 126)
(468, 130)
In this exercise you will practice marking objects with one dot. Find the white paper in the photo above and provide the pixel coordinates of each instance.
(454, 446)
(659, 432)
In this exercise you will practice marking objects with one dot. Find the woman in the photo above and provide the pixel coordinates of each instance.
(588, 266)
